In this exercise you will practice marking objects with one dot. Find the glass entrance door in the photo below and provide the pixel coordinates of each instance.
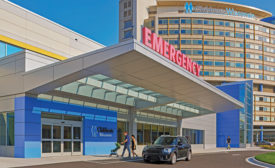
(61, 139)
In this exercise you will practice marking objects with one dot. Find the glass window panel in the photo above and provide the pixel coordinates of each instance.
(46, 147)
(147, 134)
(185, 21)
(77, 133)
(46, 131)
(3, 51)
(3, 129)
(154, 133)
(12, 49)
(173, 21)
(166, 130)
(56, 146)
(56, 132)
(161, 130)
(67, 146)
(51, 116)
(10, 129)
(77, 146)
(72, 118)
(140, 133)
(67, 132)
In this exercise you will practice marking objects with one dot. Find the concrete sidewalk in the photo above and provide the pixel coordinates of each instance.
(6, 162)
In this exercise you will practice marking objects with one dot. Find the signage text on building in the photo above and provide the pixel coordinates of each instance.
(167, 50)
(189, 8)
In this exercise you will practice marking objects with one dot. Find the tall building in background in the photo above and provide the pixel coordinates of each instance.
(231, 42)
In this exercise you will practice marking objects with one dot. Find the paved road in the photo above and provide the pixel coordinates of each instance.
(211, 160)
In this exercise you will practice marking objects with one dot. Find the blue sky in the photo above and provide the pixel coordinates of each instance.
(98, 19)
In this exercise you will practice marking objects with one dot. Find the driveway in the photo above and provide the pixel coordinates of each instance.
(211, 160)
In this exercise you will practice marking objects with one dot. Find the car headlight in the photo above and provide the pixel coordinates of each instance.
(167, 150)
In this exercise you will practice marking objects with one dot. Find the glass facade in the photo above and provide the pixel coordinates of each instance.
(7, 129)
(7, 49)
(194, 136)
(148, 133)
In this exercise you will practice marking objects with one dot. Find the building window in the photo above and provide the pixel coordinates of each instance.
(147, 133)
(174, 42)
(128, 34)
(239, 35)
(219, 23)
(186, 31)
(208, 22)
(173, 31)
(129, 4)
(121, 128)
(128, 24)
(240, 25)
(174, 21)
(163, 21)
(7, 129)
(197, 32)
(208, 32)
(7, 49)
(163, 32)
(125, 13)
(229, 24)
(129, 12)
(197, 21)
(185, 21)
(125, 5)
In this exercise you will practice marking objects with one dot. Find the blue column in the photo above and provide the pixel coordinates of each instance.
(262, 134)
(27, 129)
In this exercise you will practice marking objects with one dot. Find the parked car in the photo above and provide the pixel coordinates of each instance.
(168, 148)
(263, 143)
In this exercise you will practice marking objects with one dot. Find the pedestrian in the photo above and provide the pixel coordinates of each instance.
(126, 143)
(134, 146)
(228, 141)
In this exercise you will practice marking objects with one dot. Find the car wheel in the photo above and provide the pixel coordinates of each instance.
(188, 156)
(173, 158)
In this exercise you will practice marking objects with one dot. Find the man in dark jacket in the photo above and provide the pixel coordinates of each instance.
(228, 141)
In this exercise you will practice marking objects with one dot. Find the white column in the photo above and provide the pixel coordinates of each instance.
(179, 126)
(132, 122)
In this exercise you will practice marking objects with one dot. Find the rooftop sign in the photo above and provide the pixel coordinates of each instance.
(167, 50)
(189, 8)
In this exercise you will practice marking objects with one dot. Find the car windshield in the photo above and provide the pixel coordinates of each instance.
(166, 141)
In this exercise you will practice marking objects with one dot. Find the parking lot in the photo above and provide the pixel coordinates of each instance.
(212, 160)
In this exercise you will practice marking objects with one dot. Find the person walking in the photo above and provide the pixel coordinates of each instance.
(126, 143)
(134, 146)
(228, 141)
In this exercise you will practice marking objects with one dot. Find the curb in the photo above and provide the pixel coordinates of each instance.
(253, 161)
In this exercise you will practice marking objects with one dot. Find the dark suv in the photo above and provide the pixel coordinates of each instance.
(168, 148)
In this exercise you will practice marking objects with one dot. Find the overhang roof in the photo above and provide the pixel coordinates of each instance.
(134, 63)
